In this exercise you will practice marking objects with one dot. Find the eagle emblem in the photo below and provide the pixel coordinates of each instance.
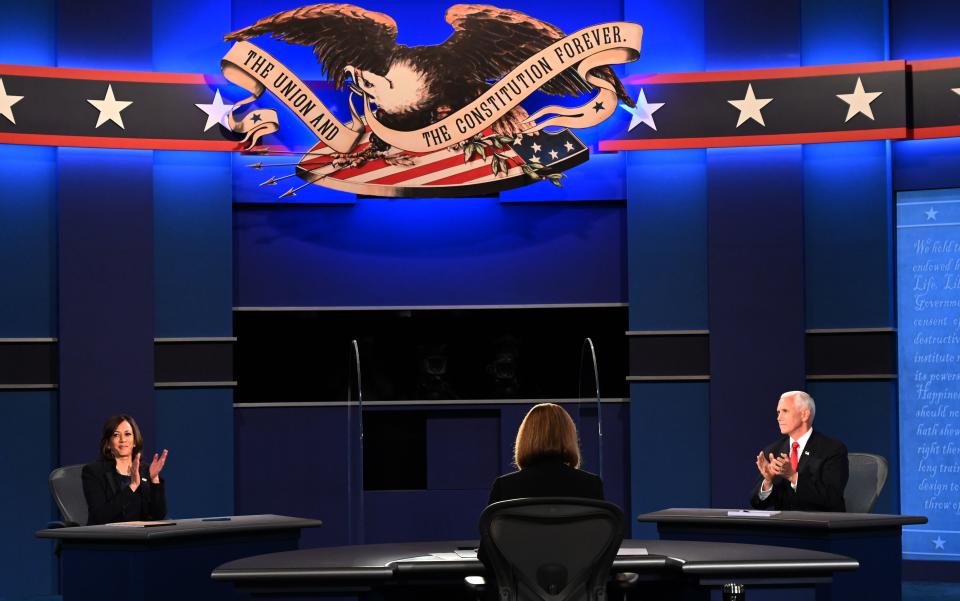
(441, 120)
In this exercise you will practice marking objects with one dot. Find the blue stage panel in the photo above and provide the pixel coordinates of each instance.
(926, 164)
(673, 38)
(865, 417)
(667, 239)
(418, 515)
(28, 242)
(756, 305)
(656, 449)
(188, 35)
(105, 35)
(847, 235)
(751, 34)
(28, 452)
(853, 31)
(193, 244)
(106, 296)
(924, 30)
(277, 445)
(430, 252)
(28, 33)
(191, 424)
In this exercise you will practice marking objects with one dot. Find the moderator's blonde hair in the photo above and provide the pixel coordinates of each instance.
(547, 430)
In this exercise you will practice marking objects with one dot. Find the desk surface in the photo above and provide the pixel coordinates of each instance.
(811, 520)
(193, 527)
(370, 565)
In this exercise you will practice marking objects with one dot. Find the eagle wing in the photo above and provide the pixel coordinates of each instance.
(341, 35)
(490, 41)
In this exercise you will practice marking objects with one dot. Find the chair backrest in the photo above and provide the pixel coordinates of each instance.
(551, 548)
(66, 487)
(868, 474)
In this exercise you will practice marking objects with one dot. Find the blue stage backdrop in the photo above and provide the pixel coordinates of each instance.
(928, 249)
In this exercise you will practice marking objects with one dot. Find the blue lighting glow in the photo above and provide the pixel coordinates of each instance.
(28, 33)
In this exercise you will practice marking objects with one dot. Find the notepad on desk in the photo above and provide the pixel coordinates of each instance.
(751, 513)
(141, 524)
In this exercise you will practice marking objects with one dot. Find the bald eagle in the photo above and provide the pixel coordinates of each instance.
(414, 87)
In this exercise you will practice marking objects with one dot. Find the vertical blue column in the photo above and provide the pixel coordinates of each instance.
(28, 310)
(193, 295)
(666, 273)
(756, 256)
(756, 306)
(106, 244)
(667, 261)
(193, 261)
(28, 418)
(848, 235)
(106, 294)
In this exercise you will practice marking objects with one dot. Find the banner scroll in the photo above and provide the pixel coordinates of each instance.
(256, 71)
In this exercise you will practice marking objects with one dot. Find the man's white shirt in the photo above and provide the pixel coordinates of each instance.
(802, 441)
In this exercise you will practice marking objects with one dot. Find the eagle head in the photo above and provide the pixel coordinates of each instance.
(403, 89)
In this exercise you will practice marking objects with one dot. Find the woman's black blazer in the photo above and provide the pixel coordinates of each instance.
(109, 501)
(548, 477)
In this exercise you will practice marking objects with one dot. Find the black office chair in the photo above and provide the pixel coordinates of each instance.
(67, 490)
(551, 549)
(868, 474)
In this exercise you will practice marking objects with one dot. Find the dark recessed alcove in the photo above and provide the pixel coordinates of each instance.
(395, 450)
(452, 354)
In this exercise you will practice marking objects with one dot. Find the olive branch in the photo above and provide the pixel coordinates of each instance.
(477, 146)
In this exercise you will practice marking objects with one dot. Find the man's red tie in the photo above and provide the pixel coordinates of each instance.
(795, 456)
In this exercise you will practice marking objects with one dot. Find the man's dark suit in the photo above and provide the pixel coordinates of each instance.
(108, 500)
(547, 477)
(822, 470)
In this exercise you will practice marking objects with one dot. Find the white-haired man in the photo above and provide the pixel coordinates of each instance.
(803, 470)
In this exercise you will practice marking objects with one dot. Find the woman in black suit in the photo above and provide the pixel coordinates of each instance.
(547, 454)
(117, 487)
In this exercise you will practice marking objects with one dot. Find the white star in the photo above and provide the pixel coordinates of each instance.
(554, 154)
(534, 159)
(110, 108)
(938, 542)
(643, 112)
(931, 214)
(750, 107)
(6, 103)
(859, 101)
(955, 90)
(216, 112)
(535, 147)
(568, 146)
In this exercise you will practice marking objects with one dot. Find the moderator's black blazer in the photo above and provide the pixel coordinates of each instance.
(547, 477)
(823, 470)
(109, 501)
